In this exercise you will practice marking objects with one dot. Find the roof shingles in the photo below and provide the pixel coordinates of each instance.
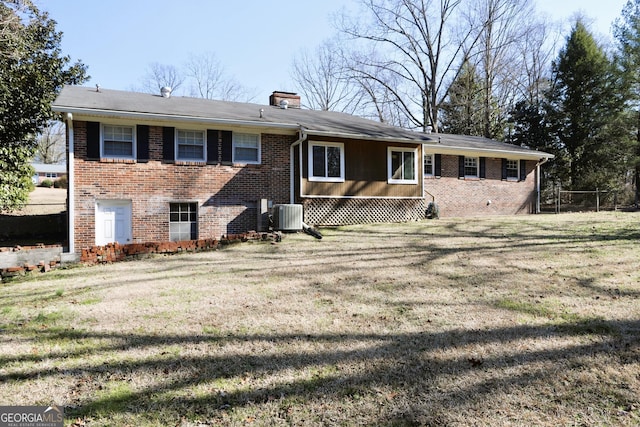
(89, 101)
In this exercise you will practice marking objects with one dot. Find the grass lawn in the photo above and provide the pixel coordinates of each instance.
(531, 320)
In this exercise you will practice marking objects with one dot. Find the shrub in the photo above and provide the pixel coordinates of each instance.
(46, 183)
(29, 184)
(61, 182)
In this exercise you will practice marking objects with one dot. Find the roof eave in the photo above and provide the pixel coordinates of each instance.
(489, 152)
(362, 136)
(170, 117)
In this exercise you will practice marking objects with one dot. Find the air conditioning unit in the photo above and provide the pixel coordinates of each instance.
(287, 217)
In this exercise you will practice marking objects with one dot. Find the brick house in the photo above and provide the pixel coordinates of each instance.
(51, 172)
(148, 167)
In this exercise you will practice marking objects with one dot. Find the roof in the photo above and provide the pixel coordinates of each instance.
(454, 144)
(49, 168)
(86, 101)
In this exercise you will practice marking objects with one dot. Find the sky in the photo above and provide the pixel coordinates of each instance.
(255, 41)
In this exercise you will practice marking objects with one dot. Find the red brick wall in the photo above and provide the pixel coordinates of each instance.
(470, 197)
(226, 194)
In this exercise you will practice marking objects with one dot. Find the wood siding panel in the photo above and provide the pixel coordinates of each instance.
(365, 173)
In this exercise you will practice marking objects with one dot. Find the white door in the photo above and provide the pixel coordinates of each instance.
(113, 222)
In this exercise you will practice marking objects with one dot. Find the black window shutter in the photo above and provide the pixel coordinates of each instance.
(504, 169)
(523, 170)
(227, 153)
(437, 165)
(142, 143)
(168, 144)
(483, 167)
(212, 146)
(460, 166)
(93, 140)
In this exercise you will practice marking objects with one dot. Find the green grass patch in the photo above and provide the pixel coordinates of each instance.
(564, 321)
(91, 301)
(211, 330)
(47, 320)
(8, 310)
(115, 397)
(587, 326)
(532, 309)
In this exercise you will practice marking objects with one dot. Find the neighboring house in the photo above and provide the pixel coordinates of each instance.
(45, 171)
(157, 168)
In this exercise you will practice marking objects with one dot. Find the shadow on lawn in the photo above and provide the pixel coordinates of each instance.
(275, 368)
(404, 363)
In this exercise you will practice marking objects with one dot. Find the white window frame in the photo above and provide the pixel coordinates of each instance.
(204, 146)
(180, 221)
(477, 167)
(115, 156)
(517, 169)
(235, 144)
(430, 162)
(325, 177)
(390, 178)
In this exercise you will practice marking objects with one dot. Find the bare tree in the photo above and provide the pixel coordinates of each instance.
(504, 23)
(162, 75)
(323, 80)
(208, 79)
(50, 144)
(536, 47)
(202, 77)
(205, 75)
(377, 101)
(419, 47)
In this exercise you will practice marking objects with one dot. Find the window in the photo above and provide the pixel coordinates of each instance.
(117, 141)
(471, 166)
(183, 221)
(51, 175)
(326, 162)
(513, 172)
(246, 148)
(402, 165)
(428, 164)
(190, 145)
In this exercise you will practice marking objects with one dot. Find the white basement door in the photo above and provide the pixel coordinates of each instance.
(113, 222)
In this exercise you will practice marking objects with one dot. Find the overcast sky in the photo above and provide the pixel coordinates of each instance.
(254, 40)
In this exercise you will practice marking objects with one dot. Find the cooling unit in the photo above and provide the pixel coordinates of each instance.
(287, 217)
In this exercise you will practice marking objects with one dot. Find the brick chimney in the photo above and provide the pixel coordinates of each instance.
(284, 99)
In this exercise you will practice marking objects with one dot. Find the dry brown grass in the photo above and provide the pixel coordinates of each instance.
(502, 321)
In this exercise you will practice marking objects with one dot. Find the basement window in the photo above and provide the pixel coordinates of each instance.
(183, 221)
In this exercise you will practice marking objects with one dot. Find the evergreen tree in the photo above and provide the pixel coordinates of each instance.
(627, 33)
(32, 72)
(586, 116)
(463, 111)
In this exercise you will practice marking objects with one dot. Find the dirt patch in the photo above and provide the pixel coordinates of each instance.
(501, 321)
(44, 201)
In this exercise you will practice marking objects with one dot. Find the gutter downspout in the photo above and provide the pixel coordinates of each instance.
(302, 137)
(70, 185)
(540, 163)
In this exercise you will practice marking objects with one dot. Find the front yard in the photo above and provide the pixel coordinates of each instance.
(490, 321)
